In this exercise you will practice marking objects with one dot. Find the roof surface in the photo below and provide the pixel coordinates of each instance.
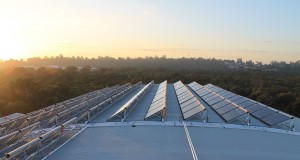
(136, 138)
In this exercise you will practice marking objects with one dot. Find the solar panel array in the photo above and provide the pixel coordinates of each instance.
(125, 110)
(223, 107)
(260, 111)
(189, 105)
(16, 135)
(230, 105)
(16, 130)
(37, 145)
(104, 105)
(158, 104)
(48, 112)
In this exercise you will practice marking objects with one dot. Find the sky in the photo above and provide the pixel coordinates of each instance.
(258, 30)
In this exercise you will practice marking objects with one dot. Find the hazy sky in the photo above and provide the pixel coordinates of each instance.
(261, 30)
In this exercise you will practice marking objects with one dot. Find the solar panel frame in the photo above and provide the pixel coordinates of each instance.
(226, 109)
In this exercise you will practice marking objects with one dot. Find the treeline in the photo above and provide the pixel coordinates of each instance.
(150, 62)
(27, 89)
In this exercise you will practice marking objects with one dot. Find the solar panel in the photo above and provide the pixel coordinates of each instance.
(220, 104)
(203, 93)
(161, 90)
(202, 89)
(275, 119)
(211, 98)
(193, 84)
(153, 106)
(223, 92)
(158, 97)
(195, 88)
(158, 101)
(189, 107)
(213, 88)
(214, 101)
(178, 86)
(239, 101)
(263, 113)
(229, 95)
(193, 112)
(247, 104)
(209, 86)
(181, 90)
(219, 91)
(177, 83)
(187, 102)
(184, 96)
(185, 99)
(216, 89)
(182, 93)
(155, 111)
(234, 98)
(226, 109)
(254, 108)
(208, 95)
(233, 114)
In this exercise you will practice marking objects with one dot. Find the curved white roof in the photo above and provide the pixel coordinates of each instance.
(208, 136)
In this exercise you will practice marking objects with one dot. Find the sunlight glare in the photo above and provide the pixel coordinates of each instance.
(10, 46)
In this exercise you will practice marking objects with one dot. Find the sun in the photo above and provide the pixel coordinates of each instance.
(10, 48)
